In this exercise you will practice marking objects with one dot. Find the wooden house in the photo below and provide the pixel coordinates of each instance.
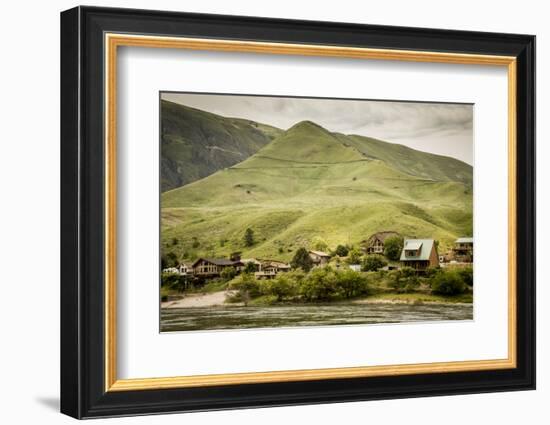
(319, 258)
(270, 268)
(375, 244)
(463, 250)
(419, 254)
(185, 269)
(212, 267)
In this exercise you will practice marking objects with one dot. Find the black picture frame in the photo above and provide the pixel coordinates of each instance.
(83, 392)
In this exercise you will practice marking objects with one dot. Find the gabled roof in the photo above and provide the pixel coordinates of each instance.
(382, 236)
(465, 240)
(218, 261)
(320, 253)
(413, 245)
(424, 245)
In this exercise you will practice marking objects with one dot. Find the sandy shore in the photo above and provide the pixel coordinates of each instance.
(198, 300)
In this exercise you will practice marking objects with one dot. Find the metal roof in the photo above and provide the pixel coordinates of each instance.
(414, 245)
(424, 245)
(465, 240)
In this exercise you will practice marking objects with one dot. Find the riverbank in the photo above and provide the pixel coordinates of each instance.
(218, 298)
(211, 299)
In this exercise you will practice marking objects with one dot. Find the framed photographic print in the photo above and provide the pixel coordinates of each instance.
(261, 212)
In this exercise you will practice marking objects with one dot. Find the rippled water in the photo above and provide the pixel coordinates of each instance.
(209, 318)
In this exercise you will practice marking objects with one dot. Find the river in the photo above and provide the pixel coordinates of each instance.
(234, 317)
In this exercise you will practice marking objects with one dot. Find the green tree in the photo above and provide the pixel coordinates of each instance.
(373, 263)
(319, 244)
(174, 281)
(249, 237)
(351, 283)
(404, 280)
(393, 247)
(467, 275)
(319, 285)
(354, 256)
(169, 260)
(448, 282)
(281, 287)
(341, 251)
(228, 273)
(250, 268)
(302, 260)
(247, 287)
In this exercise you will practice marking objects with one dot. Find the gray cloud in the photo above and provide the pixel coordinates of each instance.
(444, 129)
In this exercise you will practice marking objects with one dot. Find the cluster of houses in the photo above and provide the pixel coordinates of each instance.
(420, 254)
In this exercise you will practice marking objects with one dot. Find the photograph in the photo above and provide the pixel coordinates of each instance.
(286, 211)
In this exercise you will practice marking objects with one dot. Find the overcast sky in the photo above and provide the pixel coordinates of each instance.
(444, 129)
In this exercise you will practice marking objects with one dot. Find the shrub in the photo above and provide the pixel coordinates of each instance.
(228, 273)
(351, 283)
(393, 247)
(319, 285)
(250, 268)
(281, 287)
(373, 263)
(404, 280)
(247, 287)
(319, 244)
(174, 281)
(354, 256)
(448, 282)
(341, 251)
(467, 275)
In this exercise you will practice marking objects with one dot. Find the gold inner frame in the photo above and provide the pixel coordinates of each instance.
(113, 41)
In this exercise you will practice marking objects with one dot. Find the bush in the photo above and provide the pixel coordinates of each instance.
(448, 282)
(247, 287)
(467, 275)
(319, 285)
(351, 283)
(341, 251)
(354, 256)
(250, 268)
(319, 244)
(373, 263)
(174, 281)
(281, 287)
(404, 280)
(393, 247)
(228, 273)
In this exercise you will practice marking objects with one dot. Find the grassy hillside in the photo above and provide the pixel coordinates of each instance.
(196, 144)
(310, 185)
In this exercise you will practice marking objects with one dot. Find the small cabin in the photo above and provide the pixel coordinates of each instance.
(419, 254)
(185, 269)
(271, 268)
(375, 243)
(319, 258)
(463, 250)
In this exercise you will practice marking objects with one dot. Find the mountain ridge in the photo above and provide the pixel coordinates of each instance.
(309, 184)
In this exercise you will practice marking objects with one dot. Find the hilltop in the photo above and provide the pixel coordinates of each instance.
(195, 143)
(309, 185)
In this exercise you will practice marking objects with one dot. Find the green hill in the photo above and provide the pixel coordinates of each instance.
(309, 185)
(196, 143)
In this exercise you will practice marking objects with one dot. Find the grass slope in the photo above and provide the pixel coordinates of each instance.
(196, 144)
(308, 185)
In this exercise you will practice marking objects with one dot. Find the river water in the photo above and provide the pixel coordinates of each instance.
(233, 317)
